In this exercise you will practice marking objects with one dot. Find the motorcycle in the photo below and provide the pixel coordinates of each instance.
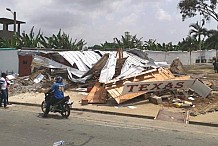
(63, 106)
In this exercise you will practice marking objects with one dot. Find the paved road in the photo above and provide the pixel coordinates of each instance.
(23, 126)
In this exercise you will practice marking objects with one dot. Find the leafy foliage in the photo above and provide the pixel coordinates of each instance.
(31, 41)
(129, 41)
(59, 41)
(126, 41)
(188, 44)
(206, 8)
(212, 40)
(8, 43)
(198, 30)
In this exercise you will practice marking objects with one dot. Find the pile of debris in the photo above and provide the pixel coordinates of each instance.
(25, 84)
(119, 75)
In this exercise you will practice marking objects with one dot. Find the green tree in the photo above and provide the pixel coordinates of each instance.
(191, 8)
(151, 45)
(29, 40)
(189, 44)
(96, 47)
(61, 41)
(197, 31)
(212, 41)
(129, 41)
(11, 43)
(107, 45)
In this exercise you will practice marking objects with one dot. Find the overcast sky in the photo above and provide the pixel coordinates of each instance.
(97, 21)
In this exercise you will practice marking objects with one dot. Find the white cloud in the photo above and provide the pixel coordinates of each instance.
(163, 15)
(97, 21)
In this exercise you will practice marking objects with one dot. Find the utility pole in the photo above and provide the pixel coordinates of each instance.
(15, 19)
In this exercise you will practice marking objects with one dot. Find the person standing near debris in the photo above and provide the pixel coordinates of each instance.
(215, 65)
(3, 84)
(58, 90)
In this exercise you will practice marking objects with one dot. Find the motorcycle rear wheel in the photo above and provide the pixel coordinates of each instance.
(65, 111)
(43, 106)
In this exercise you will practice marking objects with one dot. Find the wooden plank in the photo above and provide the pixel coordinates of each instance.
(116, 89)
(97, 94)
(126, 97)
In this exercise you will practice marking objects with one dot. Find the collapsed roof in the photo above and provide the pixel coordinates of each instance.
(118, 73)
(82, 65)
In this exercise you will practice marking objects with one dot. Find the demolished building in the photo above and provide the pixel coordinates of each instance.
(122, 75)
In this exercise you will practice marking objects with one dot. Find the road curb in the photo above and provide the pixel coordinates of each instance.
(119, 114)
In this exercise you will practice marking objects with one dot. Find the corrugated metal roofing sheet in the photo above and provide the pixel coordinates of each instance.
(84, 63)
(85, 60)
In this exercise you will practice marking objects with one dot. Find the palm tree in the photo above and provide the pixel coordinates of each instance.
(61, 41)
(129, 41)
(197, 31)
(150, 45)
(31, 41)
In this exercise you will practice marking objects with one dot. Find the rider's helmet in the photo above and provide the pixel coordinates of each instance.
(58, 79)
(4, 75)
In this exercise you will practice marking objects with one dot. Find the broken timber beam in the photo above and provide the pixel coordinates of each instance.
(97, 94)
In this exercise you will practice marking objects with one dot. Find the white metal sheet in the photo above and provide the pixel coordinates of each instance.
(132, 70)
(109, 69)
(134, 87)
(73, 57)
(42, 61)
(201, 89)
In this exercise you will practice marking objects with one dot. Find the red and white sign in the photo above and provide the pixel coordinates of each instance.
(133, 87)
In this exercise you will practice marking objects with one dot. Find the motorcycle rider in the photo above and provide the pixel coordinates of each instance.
(58, 94)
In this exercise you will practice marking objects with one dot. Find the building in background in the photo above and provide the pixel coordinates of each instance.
(5, 33)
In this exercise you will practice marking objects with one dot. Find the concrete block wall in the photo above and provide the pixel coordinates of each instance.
(185, 57)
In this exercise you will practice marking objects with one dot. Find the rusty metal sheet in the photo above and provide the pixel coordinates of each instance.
(171, 116)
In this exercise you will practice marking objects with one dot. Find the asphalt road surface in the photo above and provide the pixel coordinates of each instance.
(24, 126)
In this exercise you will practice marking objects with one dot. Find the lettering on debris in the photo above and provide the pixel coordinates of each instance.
(133, 87)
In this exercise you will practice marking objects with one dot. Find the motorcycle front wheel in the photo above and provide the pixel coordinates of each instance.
(43, 106)
(65, 111)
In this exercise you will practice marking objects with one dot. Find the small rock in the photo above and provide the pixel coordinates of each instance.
(202, 112)
(193, 114)
(211, 110)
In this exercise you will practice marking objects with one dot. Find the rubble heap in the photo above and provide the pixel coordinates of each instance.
(122, 76)
(23, 85)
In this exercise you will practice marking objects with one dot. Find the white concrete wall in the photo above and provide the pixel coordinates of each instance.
(8, 60)
(183, 56)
